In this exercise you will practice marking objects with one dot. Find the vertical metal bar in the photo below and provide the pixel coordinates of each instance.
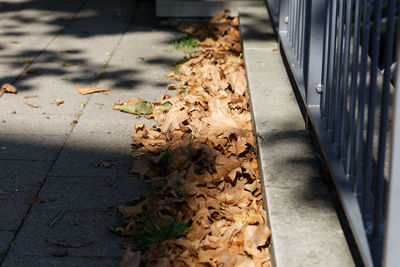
(375, 40)
(391, 255)
(296, 27)
(359, 181)
(331, 69)
(345, 81)
(316, 39)
(325, 72)
(301, 31)
(306, 42)
(288, 19)
(339, 71)
(353, 89)
(384, 121)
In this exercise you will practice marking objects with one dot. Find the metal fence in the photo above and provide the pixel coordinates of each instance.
(342, 56)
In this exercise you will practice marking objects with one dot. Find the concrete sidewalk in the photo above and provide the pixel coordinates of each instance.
(51, 151)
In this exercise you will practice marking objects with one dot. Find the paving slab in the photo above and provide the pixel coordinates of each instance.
(274, 92)
(6, 238)
(14, 208)
(101, 193)
(38, 122)
(87, 230)
(80, 155)
(26, 261)
(21, 41)
(22, 175)
(256, 29)
(30, 147)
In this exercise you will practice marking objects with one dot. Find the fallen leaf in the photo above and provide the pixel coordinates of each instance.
(32, 105)
(60, 253)
(35, 200)
(30, 96)
(105, 164)
(30, 71)
(59, 101)
(141, 107)
(164, 107)
(130, 258)
(90, 90)
(8, 88)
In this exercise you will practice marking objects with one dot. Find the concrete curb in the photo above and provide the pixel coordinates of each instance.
(201, 8)
(304, 224)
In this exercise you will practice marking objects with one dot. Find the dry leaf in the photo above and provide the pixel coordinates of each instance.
(30, 71)
(35, 200)
(32, 105)
(59, 101)
(8, 88)
(30, 96)
(130, 258)
(105, 164)
(90, 90)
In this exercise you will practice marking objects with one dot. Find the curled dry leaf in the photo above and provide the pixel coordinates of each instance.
(59, 101)
(90, 90)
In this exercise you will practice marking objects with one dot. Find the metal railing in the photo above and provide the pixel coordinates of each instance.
(341, 54)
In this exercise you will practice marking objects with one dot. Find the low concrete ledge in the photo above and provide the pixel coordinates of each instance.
(201, 8)
(305, 227)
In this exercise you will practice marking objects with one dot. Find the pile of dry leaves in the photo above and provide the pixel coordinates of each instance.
(205, 208)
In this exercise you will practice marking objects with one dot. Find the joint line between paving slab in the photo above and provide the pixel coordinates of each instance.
(70, 132)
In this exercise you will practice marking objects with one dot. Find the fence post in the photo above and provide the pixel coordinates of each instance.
(391, 255)
(315, 37)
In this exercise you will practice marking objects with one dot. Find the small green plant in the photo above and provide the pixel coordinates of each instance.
(78, 115)
(186, 42)
(177, 65)
(152, 232)
(166, 159)
(177, 70)
(180, 191)
(182, 60)
(66, 64)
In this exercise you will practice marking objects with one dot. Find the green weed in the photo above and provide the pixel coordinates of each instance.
(152, 232)
(180, 191)
(166, 159)
(186, 42)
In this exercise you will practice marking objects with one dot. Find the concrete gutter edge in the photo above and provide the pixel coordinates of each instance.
(305, 227)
